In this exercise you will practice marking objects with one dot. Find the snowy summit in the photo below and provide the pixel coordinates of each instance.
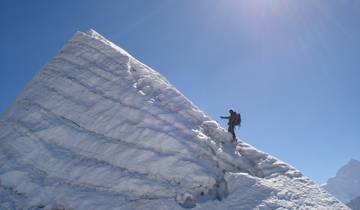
(97, 129)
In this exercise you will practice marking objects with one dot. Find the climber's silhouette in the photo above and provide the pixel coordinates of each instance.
(234, 119)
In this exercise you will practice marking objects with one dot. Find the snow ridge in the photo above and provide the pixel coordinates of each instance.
(97, 129)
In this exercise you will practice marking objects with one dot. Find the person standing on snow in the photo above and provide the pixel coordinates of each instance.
(234, 119)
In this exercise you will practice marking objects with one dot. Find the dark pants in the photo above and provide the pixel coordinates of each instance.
(231, 130)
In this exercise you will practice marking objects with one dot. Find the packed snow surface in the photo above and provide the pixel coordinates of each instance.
(97, 129)
(345, 186)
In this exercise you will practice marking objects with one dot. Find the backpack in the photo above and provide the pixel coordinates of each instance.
(237, 119)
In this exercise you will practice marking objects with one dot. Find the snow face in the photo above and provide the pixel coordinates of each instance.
(346, 184)
(97, 129)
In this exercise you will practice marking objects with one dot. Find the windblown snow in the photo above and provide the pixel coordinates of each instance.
(97, 129)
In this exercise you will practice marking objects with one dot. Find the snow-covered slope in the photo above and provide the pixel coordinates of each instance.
(346, 184)
(97, 129)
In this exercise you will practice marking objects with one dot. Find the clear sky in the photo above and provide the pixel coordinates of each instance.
(290, 67)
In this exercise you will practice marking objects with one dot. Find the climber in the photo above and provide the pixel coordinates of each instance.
(234, 119)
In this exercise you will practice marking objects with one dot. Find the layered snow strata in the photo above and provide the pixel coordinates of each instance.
(97, 129)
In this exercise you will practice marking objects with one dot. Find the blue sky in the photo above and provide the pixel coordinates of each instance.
(290, 67)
